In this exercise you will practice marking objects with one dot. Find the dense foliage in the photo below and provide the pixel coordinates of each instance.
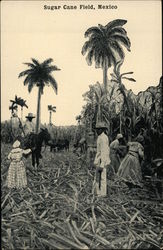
(143, 110)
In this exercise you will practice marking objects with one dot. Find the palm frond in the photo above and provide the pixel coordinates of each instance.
(47, 61)
(116, 30)
(87, 45)
(26, 72)
(53, 83)
(112, 80)
(91, 30)
(123, 39)
(110, 56)
(130, 79)
(30, 87)
(28, 80)
(54, 108)
(89, 57)
(49, 69)
(36, 62)
(127, 73)
(116, 46)
(12, 101)
(116, 23)
(117, 67)
(30, 65)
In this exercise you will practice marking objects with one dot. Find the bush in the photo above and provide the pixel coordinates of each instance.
(9, 133)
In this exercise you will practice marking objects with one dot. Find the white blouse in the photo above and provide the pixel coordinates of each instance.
(102, 158)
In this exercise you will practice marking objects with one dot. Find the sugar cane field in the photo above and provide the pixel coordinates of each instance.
(59, 208)
(83, 173)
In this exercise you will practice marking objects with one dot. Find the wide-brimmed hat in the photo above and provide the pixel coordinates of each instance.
(30, 115)
(101, 125)
(16, 144)
(119, 136)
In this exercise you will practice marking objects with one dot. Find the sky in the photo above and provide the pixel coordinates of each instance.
(28, 30)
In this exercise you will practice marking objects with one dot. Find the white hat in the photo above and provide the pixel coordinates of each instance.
(119, 136)
(16, 144)
(30, 115)
(101, 125)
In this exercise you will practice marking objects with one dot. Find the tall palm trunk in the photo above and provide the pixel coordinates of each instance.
(21, 114)
(125, 98)
(38, 110)
(105, 70)
(50, 117)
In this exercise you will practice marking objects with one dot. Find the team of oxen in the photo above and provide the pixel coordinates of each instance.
(36, 142)
(64, 144)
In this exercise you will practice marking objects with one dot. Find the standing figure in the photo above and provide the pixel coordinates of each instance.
(115, 152)
(17, 173)
(102, 159)
(130, 167)
(91, 149)
(28, 130)
(29, 126)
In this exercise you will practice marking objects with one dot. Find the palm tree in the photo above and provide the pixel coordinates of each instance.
(22, 104)
(13, 109)
(39, 74)
(104, 45)
(78, 118)
(51, 109)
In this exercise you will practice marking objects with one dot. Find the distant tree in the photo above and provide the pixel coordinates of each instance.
(18, 102)
(78, 118)
(22, 104)
(39, 74)
(14, 109)
(51, 109)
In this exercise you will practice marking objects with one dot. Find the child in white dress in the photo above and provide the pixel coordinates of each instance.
(17, 173)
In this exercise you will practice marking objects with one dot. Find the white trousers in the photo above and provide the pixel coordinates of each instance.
(102, 191)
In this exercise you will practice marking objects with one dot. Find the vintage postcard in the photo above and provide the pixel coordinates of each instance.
(81, 124)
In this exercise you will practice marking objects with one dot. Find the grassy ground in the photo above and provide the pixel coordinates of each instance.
(59, 210)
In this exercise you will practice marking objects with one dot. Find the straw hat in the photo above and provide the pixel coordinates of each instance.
(119, 136)
(101, 125)
(16, 144)
(30, 115)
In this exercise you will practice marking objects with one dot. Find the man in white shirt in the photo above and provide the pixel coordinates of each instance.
(102, 159)
(29, 126)
(28, 129)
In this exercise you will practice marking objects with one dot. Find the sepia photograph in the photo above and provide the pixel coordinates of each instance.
(81, 124)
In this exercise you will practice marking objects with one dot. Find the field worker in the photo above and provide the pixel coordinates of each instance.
(115, 152)
(130, 167)
(28, 130)
(102, 159)
(29, 126)
(17, 173)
